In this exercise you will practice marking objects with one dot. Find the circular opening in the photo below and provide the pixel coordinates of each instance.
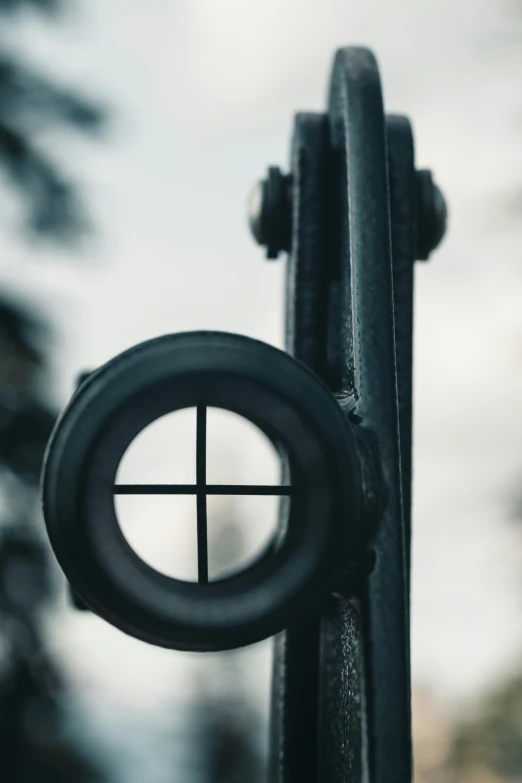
(195, 476)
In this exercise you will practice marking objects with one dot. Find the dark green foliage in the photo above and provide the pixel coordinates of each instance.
(35, 706)
(29, 104)
(48, 6)
(25, 419)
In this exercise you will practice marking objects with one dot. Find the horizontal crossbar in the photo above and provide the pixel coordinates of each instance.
(192, 489)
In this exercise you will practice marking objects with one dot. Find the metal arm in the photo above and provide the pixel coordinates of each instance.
(353, 215)
(360, 217)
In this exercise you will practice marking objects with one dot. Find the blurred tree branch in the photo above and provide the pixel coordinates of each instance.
(34, 703)
(48, 6)
(29, 104)
(54, 209)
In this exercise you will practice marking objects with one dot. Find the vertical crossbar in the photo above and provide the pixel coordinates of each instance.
(201, 493)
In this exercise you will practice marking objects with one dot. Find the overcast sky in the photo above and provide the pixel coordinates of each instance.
(202, 94)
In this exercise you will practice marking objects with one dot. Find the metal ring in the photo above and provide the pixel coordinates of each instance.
(262, 384)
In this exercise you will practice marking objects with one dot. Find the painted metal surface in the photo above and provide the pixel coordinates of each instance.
(352, 214)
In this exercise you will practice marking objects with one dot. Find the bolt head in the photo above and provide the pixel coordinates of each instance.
(432, 215)
(270, 212)
(440, 216)
(255, 212)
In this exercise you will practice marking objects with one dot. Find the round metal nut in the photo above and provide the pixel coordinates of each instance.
(270, 212)
(432, 215)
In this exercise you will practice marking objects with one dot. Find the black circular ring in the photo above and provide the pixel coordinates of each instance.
(262, 384)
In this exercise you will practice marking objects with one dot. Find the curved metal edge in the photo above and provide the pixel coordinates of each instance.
(358, 134)
(141, 376)
(401, 168)
(293, 744)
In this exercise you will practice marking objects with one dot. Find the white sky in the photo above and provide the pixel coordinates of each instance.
(203, 93)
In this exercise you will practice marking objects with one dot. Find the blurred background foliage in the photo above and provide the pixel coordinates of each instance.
(35, 705)
(484, 745)
(29, 104)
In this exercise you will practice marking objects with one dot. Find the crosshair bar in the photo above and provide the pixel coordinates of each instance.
(192, 489)
(201, 489)
(201, 496)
